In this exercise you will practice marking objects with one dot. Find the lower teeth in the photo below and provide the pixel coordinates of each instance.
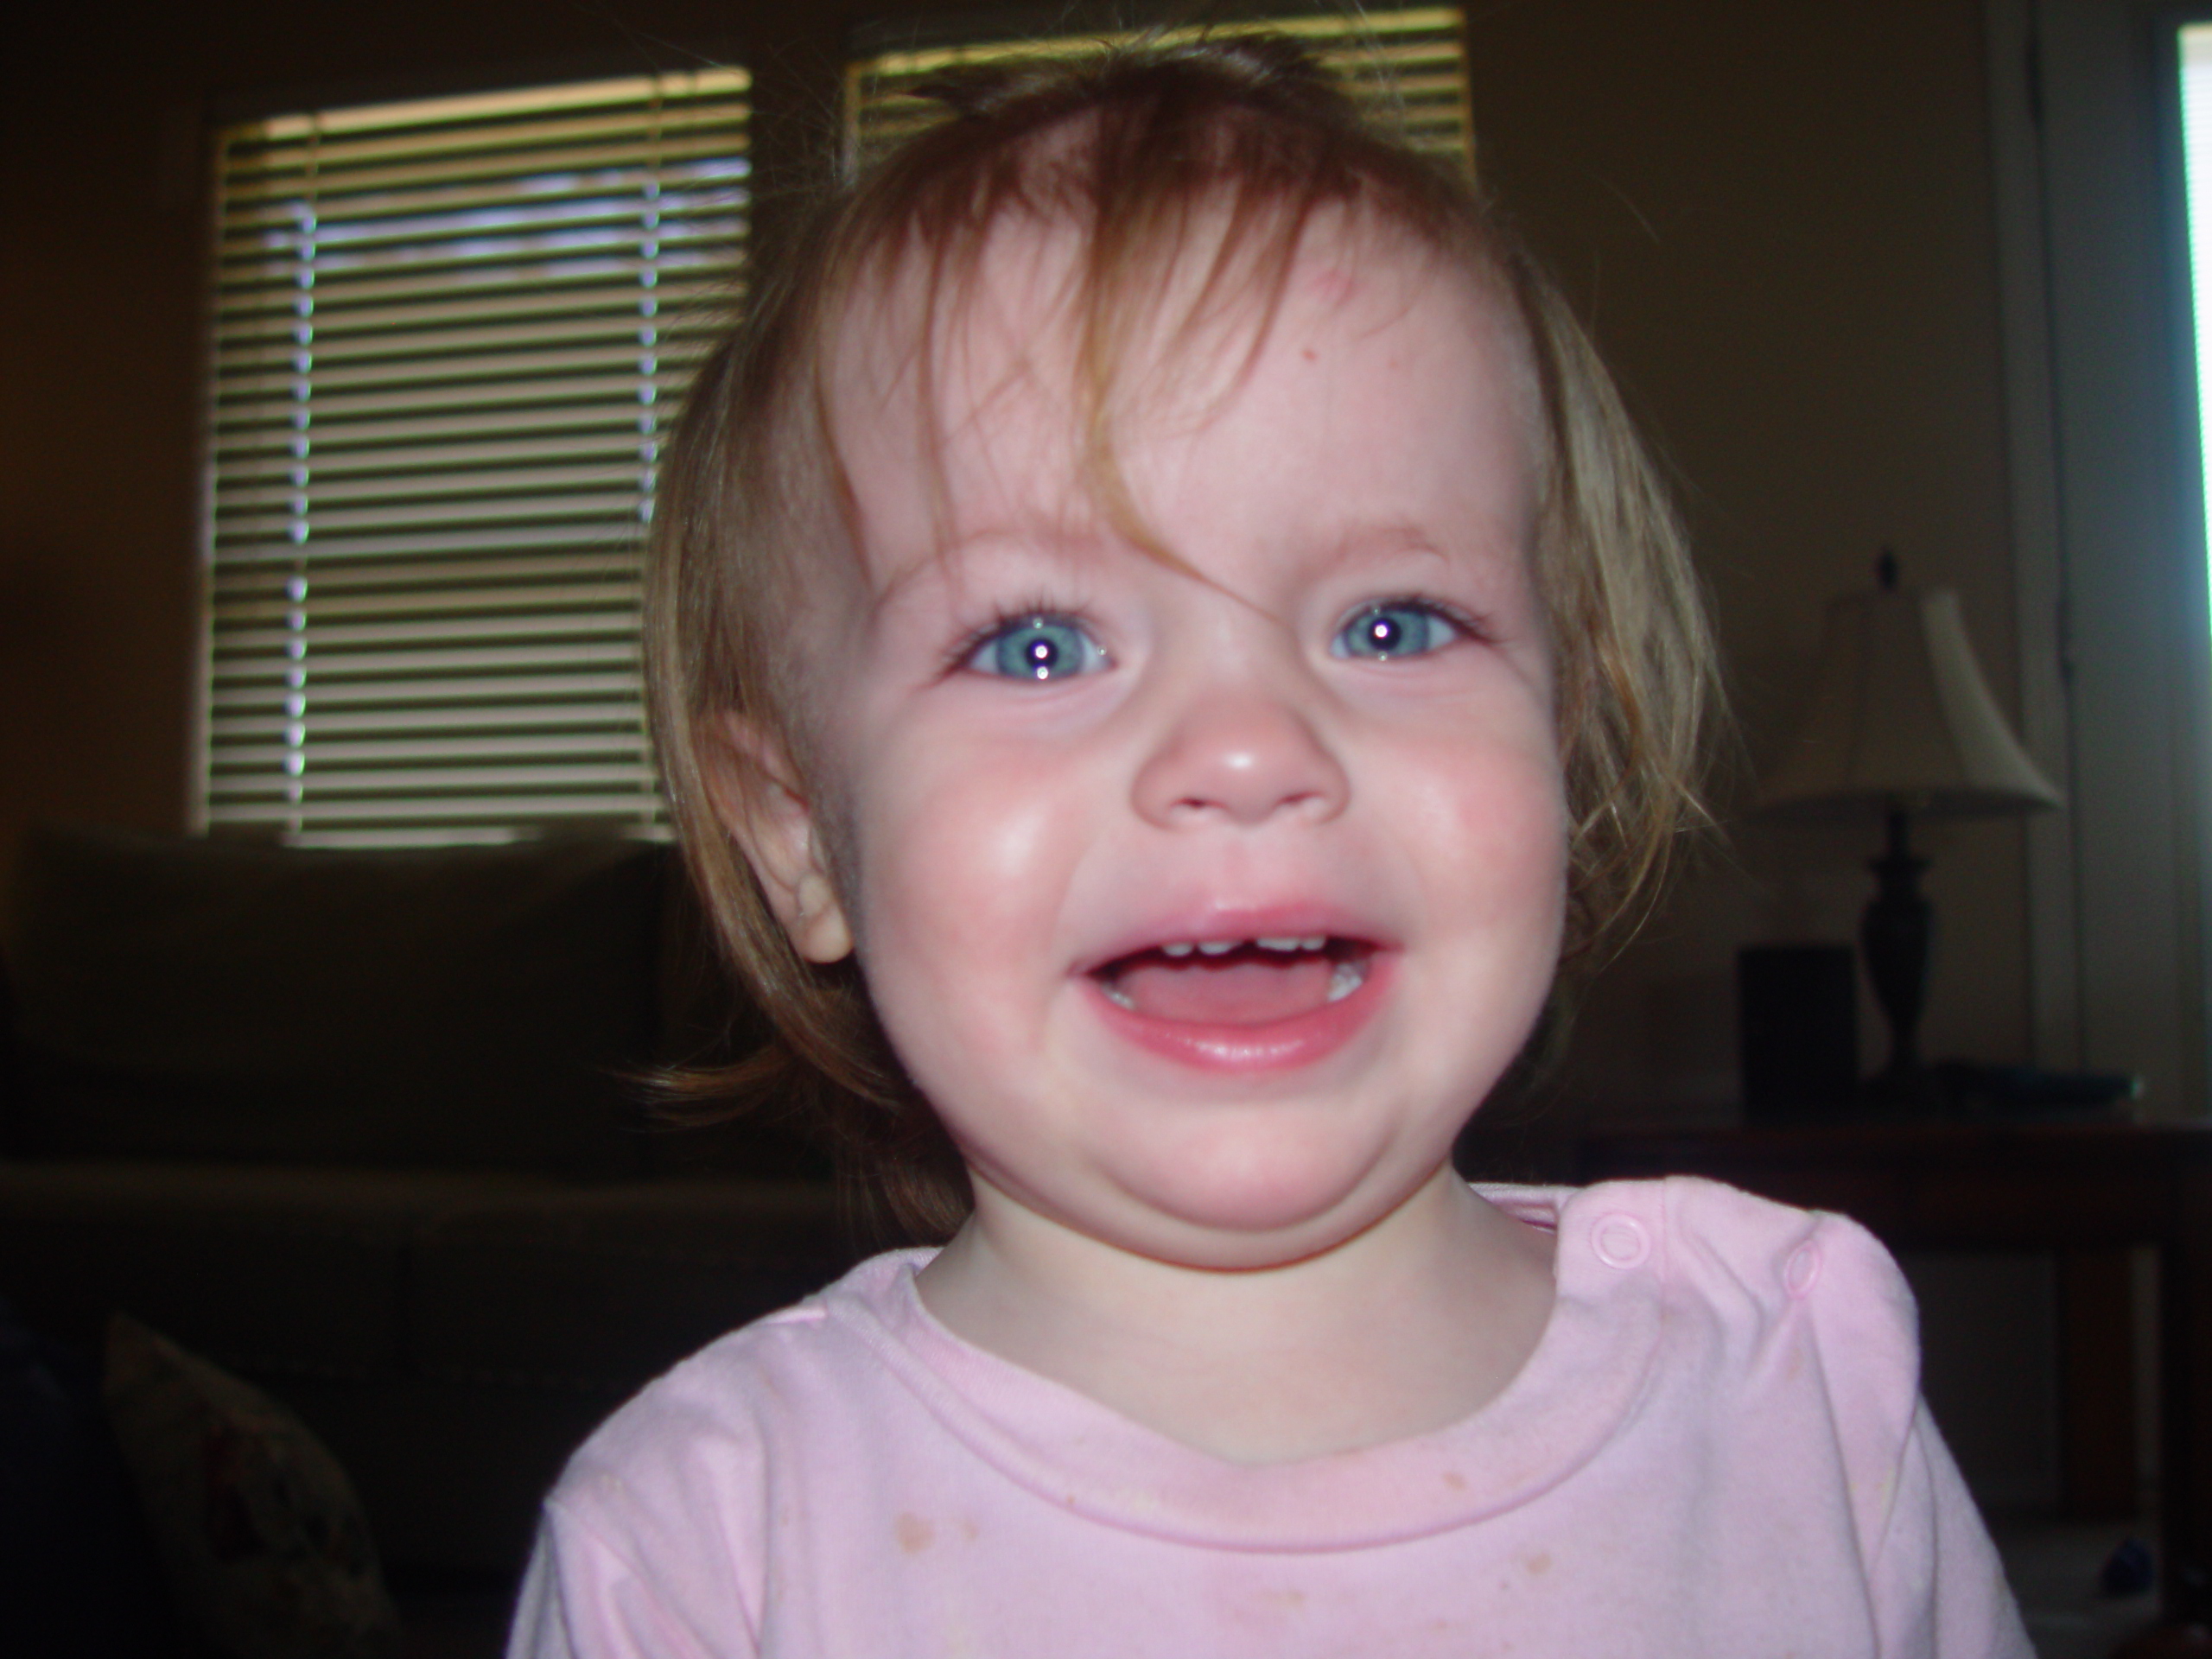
(1345, 978)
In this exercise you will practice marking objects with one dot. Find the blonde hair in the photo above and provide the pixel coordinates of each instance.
(1131, 149)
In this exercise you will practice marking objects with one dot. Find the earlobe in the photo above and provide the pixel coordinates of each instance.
(762, 805)
(816, 921)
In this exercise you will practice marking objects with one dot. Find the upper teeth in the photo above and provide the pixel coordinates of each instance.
(1223, 947)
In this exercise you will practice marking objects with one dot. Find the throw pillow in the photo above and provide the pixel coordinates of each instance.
(265, 1545)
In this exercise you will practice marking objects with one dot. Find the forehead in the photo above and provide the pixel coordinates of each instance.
(1020, 379)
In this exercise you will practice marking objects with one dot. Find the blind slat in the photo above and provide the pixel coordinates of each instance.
(707, 151)
(440, 542)
(459, 722)
(263, 404)
(272, 493)
(336, 350)
(424, 630)
(279, 318)
(418, 812)
(435, 365)
(429, 578)
(480, 697)
(474, 780)
(360, 467)
(569, 505)
(258, 288)
(418, 751)
(376, 251)
(278, 427)
(515, 601)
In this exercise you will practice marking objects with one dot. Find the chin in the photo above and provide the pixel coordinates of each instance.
(1240, 1209)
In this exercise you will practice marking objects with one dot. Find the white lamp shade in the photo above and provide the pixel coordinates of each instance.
(1902, 718)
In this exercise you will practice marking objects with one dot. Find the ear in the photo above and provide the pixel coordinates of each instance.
(764, 806)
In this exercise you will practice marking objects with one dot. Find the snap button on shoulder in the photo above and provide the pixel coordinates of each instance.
(1803, 1267)
(1620, 1242)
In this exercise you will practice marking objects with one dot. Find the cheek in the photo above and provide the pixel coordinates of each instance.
(1521, 829)
(960, 873)
(1491, 821)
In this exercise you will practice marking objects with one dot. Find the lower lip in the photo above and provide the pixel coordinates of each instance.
(1280, 1046)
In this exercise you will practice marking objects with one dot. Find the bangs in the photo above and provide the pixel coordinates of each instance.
(1185, 214)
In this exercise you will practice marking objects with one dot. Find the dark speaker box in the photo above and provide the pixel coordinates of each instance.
(1798, 1011)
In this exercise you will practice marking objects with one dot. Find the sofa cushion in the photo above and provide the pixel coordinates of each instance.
(274, 1271)
(600, 1289)
(451, 1007)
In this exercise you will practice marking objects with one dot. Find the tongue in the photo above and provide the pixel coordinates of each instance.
(1237, 990)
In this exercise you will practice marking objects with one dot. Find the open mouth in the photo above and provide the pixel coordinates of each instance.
(1236, 981)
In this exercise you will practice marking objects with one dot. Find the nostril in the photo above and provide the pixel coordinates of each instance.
(1246, 781)
(1244, 758)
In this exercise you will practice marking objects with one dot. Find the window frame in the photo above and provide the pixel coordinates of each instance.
(2108, 549)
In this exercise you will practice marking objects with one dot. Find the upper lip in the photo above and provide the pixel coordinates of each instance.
(1213, 923)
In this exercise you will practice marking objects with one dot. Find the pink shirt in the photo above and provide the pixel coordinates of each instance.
(1717, 1450)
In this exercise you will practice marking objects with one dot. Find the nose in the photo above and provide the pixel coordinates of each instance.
(1242, 755)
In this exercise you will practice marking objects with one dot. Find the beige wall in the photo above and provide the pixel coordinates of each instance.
(1779, 217)
(1780, 220)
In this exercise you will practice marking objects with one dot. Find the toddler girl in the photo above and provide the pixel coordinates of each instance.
(1163, 642)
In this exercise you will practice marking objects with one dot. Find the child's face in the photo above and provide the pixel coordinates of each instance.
(1051, 762)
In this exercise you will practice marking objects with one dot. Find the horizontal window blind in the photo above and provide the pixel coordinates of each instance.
(449, 337)
(1407, 67)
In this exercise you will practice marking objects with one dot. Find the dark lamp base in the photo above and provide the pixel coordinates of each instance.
(1895, 935)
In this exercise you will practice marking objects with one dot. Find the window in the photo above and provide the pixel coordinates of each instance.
(2106, 531)
(2195, 44)
(1406, 66)
(449, 337)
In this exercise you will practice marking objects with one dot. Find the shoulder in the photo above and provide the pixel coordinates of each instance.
(1751, 1256)
(1745, 1297)
(1799, 1319)
(1700, 1238)
(1785, 1371)
(656, 1535)
(1770, 1308)
(702, 1434)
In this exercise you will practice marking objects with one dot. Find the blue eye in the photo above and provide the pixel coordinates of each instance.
(1038, 648)
(1387, 631)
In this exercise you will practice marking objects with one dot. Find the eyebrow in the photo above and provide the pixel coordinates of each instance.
(1071, 549)
(1372, 543)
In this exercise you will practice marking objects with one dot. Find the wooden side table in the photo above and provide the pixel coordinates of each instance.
(2085, 1190)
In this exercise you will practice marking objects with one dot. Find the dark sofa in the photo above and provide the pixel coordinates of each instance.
(365, 1129)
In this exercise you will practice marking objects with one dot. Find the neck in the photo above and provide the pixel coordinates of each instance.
(1401, 1330)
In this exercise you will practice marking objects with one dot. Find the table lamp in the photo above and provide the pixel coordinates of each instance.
(1902, 723)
